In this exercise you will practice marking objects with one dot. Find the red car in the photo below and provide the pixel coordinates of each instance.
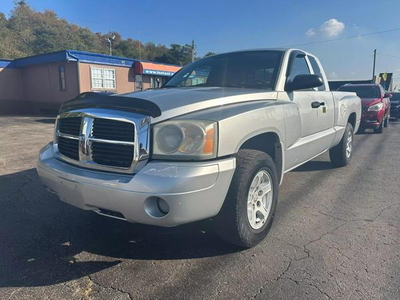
(375, 105)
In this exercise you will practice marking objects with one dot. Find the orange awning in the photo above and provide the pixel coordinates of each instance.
(150, 68)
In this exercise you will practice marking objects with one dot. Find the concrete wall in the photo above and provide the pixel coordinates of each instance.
(11, 90)
(42, 85)
(125, 78)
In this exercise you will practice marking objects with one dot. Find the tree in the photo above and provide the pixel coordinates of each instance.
(27, 32)
(177, 55)
(209, 54)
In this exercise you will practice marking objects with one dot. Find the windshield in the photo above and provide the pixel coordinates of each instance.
(362, 91)
(250, 69)
(395, 97)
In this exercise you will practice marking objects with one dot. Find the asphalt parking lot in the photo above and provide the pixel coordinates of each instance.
(336, 235)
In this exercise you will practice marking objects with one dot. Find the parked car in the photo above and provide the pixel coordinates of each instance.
(214, 142)
(395, 105)
(375, 105)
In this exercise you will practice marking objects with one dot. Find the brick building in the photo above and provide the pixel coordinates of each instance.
(41, 83)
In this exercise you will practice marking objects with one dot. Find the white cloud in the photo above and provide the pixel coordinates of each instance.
(311, 32)
(332, 28)
(333, 75)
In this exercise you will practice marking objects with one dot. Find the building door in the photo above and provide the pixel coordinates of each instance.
(156, 82)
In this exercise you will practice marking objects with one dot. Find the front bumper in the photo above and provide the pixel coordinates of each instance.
(193, 190)
(372, 119)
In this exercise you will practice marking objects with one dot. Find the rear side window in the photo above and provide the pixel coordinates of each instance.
(299, 66)
(317, 71)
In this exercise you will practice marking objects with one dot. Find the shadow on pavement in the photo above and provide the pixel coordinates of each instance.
(46, 121)
(314, 166)
(45, 241)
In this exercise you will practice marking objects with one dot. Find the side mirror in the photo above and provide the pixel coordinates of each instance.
(304, 81)
(387, 95)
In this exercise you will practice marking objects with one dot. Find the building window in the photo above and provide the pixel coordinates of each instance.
(103, 78)
(61, 74)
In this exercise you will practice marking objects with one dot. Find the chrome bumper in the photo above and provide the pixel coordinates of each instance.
(193, 190)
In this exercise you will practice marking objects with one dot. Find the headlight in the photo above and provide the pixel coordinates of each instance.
(375, 107)
(185, 139)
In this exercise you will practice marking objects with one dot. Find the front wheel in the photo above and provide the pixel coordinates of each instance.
(250, 205)
(341, 154)
(385, 124)
(380, 128)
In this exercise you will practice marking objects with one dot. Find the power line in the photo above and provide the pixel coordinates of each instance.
(392, 56)
(344, 38)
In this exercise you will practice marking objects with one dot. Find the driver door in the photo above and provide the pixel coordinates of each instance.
(302, 122)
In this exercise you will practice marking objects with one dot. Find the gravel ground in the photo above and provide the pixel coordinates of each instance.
(336, 236)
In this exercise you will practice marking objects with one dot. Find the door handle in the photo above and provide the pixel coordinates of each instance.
(317, 104)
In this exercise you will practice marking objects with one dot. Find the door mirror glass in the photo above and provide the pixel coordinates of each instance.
(304, 81)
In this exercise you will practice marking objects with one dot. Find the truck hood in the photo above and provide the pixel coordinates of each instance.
(174, 102)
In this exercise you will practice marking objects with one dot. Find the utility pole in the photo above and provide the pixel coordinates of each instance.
(140, 47)
(373, 67)
(110, 40)
(193, 50)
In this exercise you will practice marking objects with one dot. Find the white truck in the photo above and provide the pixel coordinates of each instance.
(214, 142)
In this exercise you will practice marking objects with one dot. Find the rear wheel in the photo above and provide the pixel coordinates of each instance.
(249, 208)
(341, 154)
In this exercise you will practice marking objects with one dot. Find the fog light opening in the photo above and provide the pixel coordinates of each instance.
(156, 207)
(163, 206)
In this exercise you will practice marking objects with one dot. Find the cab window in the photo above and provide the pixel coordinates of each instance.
(317, 71)
(299, 66)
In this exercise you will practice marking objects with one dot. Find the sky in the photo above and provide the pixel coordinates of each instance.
(221, 26)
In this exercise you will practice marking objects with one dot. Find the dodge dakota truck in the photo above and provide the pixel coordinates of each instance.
(213, 143)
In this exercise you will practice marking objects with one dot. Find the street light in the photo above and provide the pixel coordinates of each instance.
(110, 40)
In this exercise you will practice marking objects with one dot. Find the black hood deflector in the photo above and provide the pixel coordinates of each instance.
(107, 100)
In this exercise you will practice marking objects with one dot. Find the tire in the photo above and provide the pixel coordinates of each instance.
(385, 124)
(342, 153)
(380, 128)
(233, 223)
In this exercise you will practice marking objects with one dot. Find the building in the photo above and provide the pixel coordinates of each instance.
(43, 82)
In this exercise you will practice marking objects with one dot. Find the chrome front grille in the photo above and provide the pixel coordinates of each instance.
(113, 130)
(103, 139)
(69, 147)
(70, 126)
(112, 154)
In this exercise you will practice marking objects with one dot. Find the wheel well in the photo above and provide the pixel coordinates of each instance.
(268, 143)
(352, 119)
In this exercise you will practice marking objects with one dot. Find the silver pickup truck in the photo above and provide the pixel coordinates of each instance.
(214, 142)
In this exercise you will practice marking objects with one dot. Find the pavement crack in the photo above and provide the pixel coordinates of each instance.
(13, 292)
(333, 217)
(274, 280)
(109, 287)
(18, 191)
(323, 235)
(385, 209)
(321, 291)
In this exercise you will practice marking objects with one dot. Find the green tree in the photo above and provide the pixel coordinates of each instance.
(27, 32)
(177, 55)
